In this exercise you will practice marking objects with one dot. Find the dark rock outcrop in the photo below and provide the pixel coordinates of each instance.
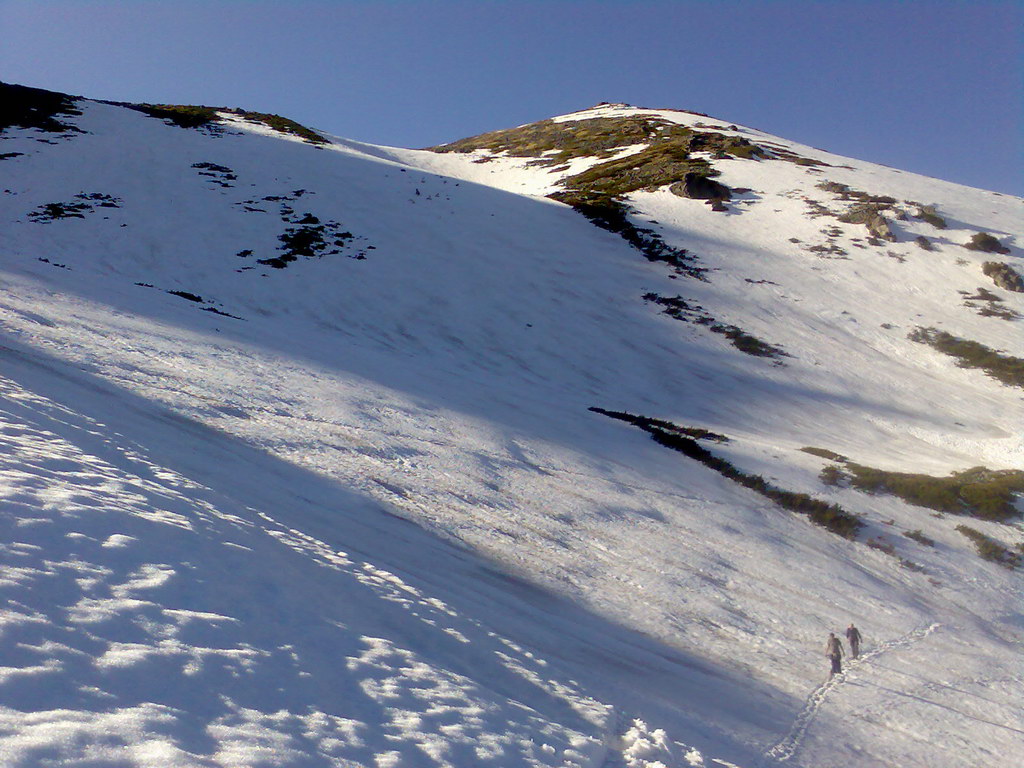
(869, 214)
(983, 241)
(1004, 276)
(698, 187)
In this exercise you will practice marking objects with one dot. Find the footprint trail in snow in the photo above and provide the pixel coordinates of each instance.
(788, 747)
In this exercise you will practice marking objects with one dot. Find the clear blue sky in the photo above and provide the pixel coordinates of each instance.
(933, 86)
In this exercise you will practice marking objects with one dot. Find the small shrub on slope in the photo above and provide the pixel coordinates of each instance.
(677, 307)
(972, 354)
(1004, 276)
(980, 492)
(845, 192)
(919, 537)
(823, 453)
(747, 343)
(990, 549)
(830, 516)
(927, 213)
(85, 202)
(53, 211)
(833, 475)
(983, 241)
(869, 214)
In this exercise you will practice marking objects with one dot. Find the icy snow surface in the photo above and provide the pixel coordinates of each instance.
(361, 516)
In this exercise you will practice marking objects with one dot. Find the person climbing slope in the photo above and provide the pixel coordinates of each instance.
(834, 651)
(853, 638)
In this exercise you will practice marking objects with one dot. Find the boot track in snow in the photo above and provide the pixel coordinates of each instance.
(787, 748)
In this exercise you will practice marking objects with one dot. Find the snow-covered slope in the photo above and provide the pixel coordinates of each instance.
(357, 511)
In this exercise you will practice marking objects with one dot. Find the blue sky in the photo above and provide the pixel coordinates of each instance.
(933, 87)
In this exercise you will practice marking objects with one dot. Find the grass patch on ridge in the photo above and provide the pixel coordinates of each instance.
(199, 116)
(987, 494)
(554, 143)
(24, 107)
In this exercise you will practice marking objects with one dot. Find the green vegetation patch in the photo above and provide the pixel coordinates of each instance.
(972, 354)
(778, 152)
(282, 125)
(612, 215)
(983, 241)
(84, 202)
(861, 213)
(310, 238)
(654, 167)
(24, 107)
(928, 214)
(181, 115)
(990, 549)
(54, 211)
(647, 423)
(999, 311)
(665, 159)
(678, 308)
(597, 193)
(555, 143)
(845, 192)
(919, 537)
(217, 174)
(199, 116)
(1004, 276)
(830, 516)
(194, 298)
(823, 453)
(993, 305)
(980, 492)
(745, 342)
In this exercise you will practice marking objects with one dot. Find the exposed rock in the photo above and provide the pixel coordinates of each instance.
(699, 187)
(929, 214)
(869, 214)
(879, 227)
(983, 241)
(924, 243)
(1004, 276)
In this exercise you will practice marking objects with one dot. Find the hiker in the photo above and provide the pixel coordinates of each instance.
(834, 651)
(853, 638)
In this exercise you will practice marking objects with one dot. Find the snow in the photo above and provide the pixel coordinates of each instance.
(372, 522)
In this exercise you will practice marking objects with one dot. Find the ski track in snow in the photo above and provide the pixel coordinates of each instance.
(786, 749)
